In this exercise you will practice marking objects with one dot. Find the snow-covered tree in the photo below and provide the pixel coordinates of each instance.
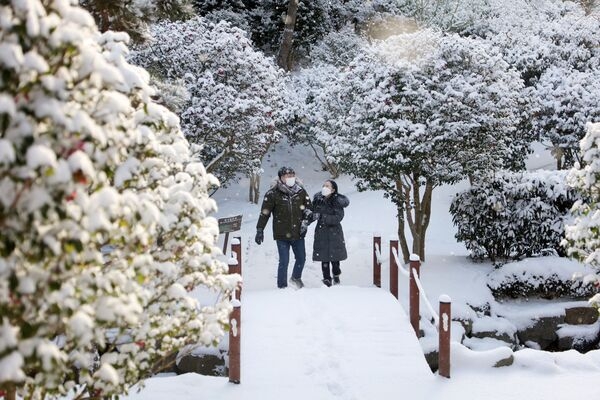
(234, 93)
(104, 214)
(583, 235)
(424, 110)
(305, 126)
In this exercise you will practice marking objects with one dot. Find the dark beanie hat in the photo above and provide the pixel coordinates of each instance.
(284, 171)
(333, 184)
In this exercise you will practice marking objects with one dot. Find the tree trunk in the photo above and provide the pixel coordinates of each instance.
(332, 168)
(402, 236)
(285, 49)
(418, 213)
(425, 217)
(11, 394)
(558, 154)
(401, 219)
(254, 190)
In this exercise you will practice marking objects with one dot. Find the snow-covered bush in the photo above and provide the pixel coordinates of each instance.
(234, 93)
(104, 213)
(582, 236)
(512, 215)
(548, 277)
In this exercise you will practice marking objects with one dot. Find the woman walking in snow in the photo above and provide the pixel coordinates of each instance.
(329, 246)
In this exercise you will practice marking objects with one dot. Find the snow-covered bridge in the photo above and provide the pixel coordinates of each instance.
(345, 342)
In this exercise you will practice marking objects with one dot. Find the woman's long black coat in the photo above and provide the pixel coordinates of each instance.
(329, 244)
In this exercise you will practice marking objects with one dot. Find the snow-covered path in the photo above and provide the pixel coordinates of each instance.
(353, 351)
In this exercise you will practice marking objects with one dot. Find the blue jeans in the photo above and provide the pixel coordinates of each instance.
(283, 247)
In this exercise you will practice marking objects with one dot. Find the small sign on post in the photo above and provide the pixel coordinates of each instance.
(227, 225)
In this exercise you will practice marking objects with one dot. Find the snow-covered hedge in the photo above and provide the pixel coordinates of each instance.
(512, 215)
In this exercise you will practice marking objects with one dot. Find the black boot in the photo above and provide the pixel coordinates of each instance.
(326, 274)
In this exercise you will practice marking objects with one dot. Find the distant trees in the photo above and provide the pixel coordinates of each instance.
(265, 20)
(545, 41)
(556, 48)
(231, 97)
(103, 212)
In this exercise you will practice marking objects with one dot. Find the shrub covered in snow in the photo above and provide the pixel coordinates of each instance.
(512, 215)
(583, 234)
(548, 277)
(103, 213)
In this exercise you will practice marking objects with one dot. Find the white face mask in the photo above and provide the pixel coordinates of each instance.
(290, 181)
(325, 191)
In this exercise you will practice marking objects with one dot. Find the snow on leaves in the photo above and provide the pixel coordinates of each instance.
(99, 191)
(233, 93)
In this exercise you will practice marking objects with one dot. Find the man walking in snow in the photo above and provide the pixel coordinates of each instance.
(290, 205)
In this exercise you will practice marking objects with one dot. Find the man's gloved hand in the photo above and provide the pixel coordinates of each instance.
(260, 236)
(303, 228)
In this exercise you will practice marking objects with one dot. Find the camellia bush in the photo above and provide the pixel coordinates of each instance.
(104, 214)
(512, 215)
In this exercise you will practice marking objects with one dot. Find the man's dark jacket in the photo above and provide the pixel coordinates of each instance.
(288, 206)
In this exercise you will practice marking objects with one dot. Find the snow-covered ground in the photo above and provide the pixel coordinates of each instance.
(327, 343)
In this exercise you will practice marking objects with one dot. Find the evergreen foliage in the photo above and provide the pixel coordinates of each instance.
(104, 214)
(513, 215)
(231, 97)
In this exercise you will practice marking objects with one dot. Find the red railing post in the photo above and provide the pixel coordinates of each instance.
(393, 268)
(236, 247)
(235, 319)
(444, 335)
(376, 263)
(413, 290)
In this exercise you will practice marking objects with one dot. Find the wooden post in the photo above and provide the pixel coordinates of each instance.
(393, 268)
(235, 330)
(225, 243)
(376, 263)
(413, 290)
(236, 247)
(444, 335)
